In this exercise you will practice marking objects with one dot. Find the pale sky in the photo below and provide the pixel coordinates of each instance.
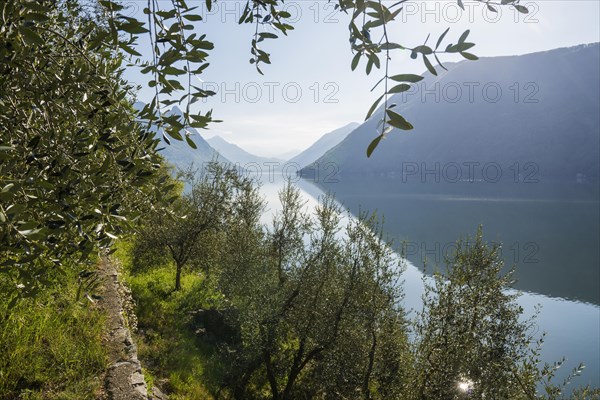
(310, 90)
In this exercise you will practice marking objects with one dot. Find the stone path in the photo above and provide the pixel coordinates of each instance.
(123, 379)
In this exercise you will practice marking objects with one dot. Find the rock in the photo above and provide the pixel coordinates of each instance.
(157, 394)
(123, 379)
(137, 379)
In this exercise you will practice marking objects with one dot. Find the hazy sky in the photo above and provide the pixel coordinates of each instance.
(310, 90)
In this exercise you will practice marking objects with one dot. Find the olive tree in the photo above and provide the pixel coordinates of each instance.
(317, 311)
(183, 230)
(75, 167)
(471, 335)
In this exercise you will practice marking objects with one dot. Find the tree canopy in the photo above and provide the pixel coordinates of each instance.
(75, 166)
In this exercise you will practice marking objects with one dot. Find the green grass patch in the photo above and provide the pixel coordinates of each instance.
(174, 357)
(51, 346)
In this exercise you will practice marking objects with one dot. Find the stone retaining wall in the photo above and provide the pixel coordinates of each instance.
(124, 379)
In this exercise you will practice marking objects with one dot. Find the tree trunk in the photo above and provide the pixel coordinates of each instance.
(178, 277)
(366, 383)
(271, 376)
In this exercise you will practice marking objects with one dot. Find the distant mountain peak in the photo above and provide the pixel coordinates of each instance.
(219, 139)
(236, 154)
(323, 145)
(179, 153)
(175, 111)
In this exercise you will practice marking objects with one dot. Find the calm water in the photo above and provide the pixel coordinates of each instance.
(550, 233)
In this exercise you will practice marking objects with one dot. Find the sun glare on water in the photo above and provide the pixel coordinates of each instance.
(465, 385)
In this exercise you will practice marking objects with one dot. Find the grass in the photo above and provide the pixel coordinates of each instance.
(51, 346)
(173, 356)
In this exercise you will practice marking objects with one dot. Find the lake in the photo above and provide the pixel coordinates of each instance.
(550, 233)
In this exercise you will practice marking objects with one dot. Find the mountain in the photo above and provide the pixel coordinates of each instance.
(534, 116)
(238, 155)
(180, 154)
(321, 146)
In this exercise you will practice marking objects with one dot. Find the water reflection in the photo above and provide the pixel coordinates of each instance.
(551, 233)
